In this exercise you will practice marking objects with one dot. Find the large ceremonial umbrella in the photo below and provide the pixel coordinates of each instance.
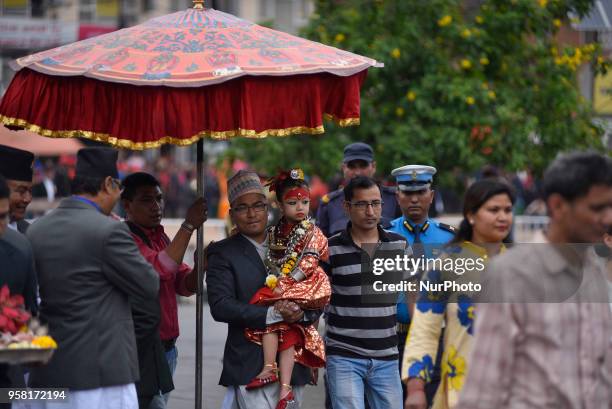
(180, 78)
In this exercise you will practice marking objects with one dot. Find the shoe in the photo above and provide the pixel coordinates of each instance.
(289, 398)
(256, 383)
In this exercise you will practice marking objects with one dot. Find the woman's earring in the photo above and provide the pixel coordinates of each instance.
(471, 221)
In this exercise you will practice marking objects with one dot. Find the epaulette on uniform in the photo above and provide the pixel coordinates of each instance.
(447, 227)
(331, 196)
(389, 189)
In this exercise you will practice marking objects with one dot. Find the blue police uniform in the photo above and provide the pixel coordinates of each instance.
(331, 217)
(413, 178)
(431, 232)
(425, 239)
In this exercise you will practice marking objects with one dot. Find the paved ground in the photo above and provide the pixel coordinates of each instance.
(214, 338)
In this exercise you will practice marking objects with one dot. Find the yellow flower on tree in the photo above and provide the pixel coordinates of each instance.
(484, 61)
(578, 55)
(411, 96)
(340, 37)
(479, 19)
(445, 21)
(543, 3)
(399, 111)
(470, 100)
(466, 64)
(492, 94)
(466, 33)
(396, 53)
(454, 368)
(557, 23)
(485, 85)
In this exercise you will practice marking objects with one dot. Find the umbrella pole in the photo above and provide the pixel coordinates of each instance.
(199, 294)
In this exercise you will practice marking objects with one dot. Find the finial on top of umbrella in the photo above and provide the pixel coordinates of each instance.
(198, 4)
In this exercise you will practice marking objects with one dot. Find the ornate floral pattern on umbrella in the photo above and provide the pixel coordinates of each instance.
(192, 48)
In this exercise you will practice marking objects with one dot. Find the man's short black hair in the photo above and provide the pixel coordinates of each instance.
(4, 189)
(572, 175)
(135, 181)
(359, 182)
(86, 184)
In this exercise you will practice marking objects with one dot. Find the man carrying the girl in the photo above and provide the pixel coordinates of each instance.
(267, 286)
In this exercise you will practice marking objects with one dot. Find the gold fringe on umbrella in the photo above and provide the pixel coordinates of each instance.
(217, 135)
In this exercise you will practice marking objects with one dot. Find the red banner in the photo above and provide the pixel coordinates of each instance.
(92, 30)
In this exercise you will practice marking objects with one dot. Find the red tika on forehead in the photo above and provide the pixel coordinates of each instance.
(298, 193)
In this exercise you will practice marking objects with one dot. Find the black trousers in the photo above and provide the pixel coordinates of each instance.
(5, 382)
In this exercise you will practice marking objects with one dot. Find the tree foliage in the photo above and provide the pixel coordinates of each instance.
(465, 83)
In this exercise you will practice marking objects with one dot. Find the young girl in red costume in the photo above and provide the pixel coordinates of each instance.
(296, 246)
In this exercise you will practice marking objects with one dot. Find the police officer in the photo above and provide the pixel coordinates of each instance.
(415, 196)
(358, 161)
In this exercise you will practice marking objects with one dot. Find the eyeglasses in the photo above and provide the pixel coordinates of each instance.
(362, 205)
(257, 208)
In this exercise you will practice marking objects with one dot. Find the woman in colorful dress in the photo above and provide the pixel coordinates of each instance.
(486, 224)
(295, 247)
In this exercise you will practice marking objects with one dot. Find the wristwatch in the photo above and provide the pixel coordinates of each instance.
(188, 226)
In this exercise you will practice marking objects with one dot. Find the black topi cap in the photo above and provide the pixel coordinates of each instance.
(358, 151)
(97, 163)
(16, 164)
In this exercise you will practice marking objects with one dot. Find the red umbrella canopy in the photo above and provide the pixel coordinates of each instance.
(181, 77)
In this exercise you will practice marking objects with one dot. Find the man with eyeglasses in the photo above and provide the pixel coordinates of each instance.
(16, 167)
(98, 294)
(358, 161)
(143, 201)
(360, 340)
(235, 272)
(426, 237)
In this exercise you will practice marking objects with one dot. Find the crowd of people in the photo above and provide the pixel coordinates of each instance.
(107, 289)
(52, 177)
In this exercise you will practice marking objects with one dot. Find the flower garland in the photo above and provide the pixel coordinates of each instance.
(285, 264)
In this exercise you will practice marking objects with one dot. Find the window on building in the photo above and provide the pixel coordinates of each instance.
(87, 10)
(267, 9)
(228, 6)
(6, 73)
(15, 8)
(38, 8)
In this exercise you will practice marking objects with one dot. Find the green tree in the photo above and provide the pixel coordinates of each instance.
(462, 86)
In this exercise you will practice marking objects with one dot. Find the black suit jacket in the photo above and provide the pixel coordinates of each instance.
(235, 273)
(17, 268)
(155, 374)
(22, 226)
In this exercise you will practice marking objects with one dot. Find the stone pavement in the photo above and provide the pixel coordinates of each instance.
(214, 339)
